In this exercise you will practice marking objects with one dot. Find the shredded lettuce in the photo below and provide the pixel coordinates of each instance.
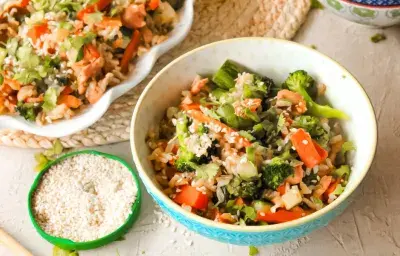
(35, 18)
(65, 25)
(50, 98)
(74, 46)
(67, 6)
(12, 45)
(3, 54)
(93, 18)
(26, 76)
(27, 59)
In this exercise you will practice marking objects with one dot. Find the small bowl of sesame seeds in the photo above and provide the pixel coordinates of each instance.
(84, 200)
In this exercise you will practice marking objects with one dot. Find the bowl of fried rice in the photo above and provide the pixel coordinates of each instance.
(64, 62)
(253, 141)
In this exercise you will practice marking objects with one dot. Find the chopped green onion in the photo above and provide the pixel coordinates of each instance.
(253, 250)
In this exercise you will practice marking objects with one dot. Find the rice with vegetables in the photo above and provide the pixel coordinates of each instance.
(243, 150)
(57, 57)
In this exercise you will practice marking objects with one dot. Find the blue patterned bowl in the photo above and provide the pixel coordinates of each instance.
(378, 13)
(274, 58)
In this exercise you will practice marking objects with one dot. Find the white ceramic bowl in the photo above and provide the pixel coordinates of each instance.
(276, 59)
(373, 14)
(95, 112)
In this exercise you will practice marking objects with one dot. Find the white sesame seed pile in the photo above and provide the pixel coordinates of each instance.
(84, 197)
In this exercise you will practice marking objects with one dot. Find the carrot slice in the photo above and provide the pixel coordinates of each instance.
(153, 4)
(309, 151)
(36, 31)
(24, 3)
(193, 106)
(90, 52)
(239, 201)
(279, 216)
(199, 116)
(191, 196)
(252, 104)
(282, 189)
(69, 100)
(99, 6)
(331, 188)
(109, 22)
(67, 90)
(130, 51)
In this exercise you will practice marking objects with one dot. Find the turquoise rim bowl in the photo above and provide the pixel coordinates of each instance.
(275, 58)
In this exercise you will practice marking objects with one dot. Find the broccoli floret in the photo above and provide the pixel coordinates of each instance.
(185, 161)
(259, 88)
(303, 79)
(28, 110)
(244, 189)
(299, 81)
(276, 172)
(313, 126)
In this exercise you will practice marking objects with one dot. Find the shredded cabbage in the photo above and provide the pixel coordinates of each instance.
(50, 98)
(67, 6)
(92, 18)
(12, 45)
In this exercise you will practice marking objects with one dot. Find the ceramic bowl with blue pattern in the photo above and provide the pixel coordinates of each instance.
(274, 58)
(377, 13)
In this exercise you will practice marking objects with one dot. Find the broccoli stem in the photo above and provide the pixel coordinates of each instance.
(225, 77)
(325, 111)
(299, 81)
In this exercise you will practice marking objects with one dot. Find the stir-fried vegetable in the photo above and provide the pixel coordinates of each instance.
(85, 46)
(245, 151)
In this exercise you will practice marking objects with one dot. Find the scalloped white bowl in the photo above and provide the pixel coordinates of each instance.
(94, 112)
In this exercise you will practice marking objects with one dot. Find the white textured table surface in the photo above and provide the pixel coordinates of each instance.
(371, 226)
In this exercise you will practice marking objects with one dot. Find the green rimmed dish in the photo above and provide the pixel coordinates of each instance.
(68, 244)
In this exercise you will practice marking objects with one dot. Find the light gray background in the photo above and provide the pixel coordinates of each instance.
(370, 226)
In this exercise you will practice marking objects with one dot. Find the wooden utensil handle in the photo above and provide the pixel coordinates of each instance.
(13, 245)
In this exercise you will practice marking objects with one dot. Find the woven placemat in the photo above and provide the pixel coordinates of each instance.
(214, 20)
